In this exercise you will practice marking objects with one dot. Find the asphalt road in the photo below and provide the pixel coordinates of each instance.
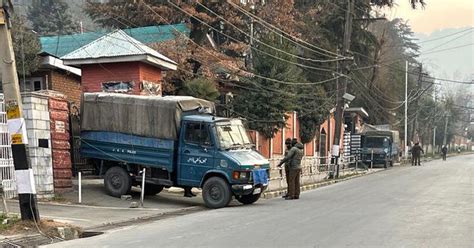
(427, 206)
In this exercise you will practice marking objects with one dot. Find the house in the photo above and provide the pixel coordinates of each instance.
(116, 62)
(53, 74)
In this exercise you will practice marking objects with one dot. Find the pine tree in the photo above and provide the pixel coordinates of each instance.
(51, 17)
(201, 88)
(265, 103)
(26, 46)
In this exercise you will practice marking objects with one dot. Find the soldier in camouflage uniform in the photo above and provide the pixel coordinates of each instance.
(287, 164)
(294, 157)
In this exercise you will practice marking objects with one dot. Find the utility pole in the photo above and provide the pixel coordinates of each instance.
(446, 129)
(415, 132)
(406, 111)
(342, 88)
(434, 141)
(16, 124)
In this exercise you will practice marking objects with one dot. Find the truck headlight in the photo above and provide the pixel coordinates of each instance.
(385, 150)
(240, 175)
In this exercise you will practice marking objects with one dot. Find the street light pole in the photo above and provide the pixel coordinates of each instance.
(406, 110)
(342, 88)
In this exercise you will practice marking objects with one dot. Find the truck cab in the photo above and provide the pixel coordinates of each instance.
(216, 154)
(376, 150)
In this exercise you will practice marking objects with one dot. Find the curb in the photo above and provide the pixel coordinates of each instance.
(34, 240)
(152, 217)
(278, 193)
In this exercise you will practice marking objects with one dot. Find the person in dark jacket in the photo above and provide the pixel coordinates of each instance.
(444, 151)
(416, 151)
(294, 157)
(288, 145)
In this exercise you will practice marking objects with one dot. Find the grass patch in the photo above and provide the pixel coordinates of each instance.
(58, 198)
(7, 221)
(13, 225)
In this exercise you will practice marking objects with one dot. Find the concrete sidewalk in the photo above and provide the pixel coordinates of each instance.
(99, 209)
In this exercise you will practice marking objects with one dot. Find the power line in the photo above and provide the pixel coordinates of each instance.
(439, 38)
(389, 65)
(263, 43)
(242, 70)
(286, 35)
(303, 96)
(447, 42)
(253, 48)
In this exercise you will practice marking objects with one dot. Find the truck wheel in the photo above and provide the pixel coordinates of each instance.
(248, 199)
(385, 165)
(216, 193)
(153, 189)
(117, 181)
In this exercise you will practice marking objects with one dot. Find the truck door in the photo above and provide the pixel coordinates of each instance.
(196, 153)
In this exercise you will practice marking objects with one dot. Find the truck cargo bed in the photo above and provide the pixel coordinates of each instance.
(128, 148)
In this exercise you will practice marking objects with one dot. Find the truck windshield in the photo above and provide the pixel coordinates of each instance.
(376, 142)
(232, 135)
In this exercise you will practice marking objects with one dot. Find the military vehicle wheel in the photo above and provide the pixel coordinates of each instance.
(117, 181)
(248, 199)
(153, 189)
(216, 193)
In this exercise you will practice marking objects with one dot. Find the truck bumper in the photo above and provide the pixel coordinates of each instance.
(247, 189)
(376, 161)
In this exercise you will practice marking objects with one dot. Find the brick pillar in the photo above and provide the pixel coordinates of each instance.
(62, 165)
(37, 121)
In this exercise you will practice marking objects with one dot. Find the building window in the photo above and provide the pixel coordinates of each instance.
(118, 87)
(32, 84)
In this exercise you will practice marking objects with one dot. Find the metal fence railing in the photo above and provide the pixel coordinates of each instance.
(318, 166)
(7, 168)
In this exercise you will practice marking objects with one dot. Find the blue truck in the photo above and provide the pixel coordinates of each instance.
(179, 141)
(379, 147)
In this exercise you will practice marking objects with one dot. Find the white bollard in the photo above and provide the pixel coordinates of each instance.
(142, 195)
(80, 187)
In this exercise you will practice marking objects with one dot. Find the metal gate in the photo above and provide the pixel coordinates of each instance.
(78, 163)
(7, 168)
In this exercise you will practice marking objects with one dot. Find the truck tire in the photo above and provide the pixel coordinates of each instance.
(153, 189)
(117, 181)
(248, 199)
(216, 193)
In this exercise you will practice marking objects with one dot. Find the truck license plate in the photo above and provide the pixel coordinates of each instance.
(257, 191)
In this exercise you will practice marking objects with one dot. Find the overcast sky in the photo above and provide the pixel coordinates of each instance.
(438, 19)
(438, 14)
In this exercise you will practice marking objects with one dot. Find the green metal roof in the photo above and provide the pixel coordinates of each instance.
(61, 45)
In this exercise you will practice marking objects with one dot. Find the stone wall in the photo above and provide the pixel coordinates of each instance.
(37, 121)
(62, 165)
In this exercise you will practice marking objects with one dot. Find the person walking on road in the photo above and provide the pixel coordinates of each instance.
(287, 164)
(416, 151)
(294, 157)
(444, 151)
